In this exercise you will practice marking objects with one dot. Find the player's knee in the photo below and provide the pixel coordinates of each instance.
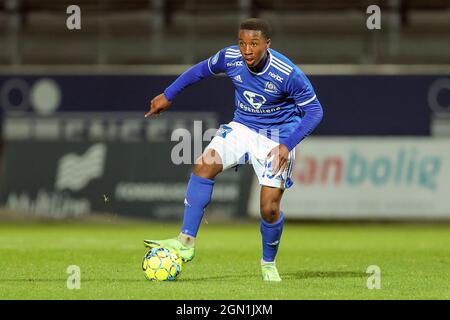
(270, 211)
(201, 170)
(208, 165)
(206, 171)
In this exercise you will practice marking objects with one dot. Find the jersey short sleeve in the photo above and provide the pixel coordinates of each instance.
(216, 63)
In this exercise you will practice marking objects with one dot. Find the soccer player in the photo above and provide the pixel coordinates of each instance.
(276, 108)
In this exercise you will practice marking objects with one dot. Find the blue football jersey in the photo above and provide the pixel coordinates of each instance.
(269, 100)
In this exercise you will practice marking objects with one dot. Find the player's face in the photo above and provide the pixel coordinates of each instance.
(253, 46)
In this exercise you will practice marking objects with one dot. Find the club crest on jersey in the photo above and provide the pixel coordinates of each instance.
(256, 100)
(270, 87)
(215, 58)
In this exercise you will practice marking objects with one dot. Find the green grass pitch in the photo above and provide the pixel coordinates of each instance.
(316, 261)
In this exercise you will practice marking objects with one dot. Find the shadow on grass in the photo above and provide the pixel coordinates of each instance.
(301, 274)
(218, 278)
(305, 274)
(65, 280)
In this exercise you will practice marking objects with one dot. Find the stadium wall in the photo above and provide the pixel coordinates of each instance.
(381, 151)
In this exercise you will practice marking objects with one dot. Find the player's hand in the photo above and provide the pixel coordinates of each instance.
(280, 156)
(158, 105)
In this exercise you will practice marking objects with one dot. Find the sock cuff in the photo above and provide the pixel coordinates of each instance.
(201, 180)
(276, 223)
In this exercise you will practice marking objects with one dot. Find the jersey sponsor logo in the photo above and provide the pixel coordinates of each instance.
(238, 78)
(256, 100)
(215, 58)
(276, 76)
(270, 87)
(253, 110)
(235, 64)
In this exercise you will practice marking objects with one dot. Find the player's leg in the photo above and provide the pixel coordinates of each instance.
(226, 150)
(198, 196)
(272, 188)
(271, 227)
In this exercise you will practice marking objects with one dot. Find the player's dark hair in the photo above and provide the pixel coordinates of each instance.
(258, 25)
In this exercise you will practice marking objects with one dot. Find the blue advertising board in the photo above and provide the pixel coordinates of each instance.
(353, 105)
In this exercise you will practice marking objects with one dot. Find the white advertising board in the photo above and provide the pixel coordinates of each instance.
(373, 178)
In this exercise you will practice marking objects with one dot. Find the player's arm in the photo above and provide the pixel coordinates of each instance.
(311, 112)
(308, 106)
(206, 68)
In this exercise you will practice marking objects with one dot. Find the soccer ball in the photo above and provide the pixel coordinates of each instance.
(161, 264)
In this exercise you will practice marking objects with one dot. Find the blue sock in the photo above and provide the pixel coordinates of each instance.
(198, 196)
(271, 235)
